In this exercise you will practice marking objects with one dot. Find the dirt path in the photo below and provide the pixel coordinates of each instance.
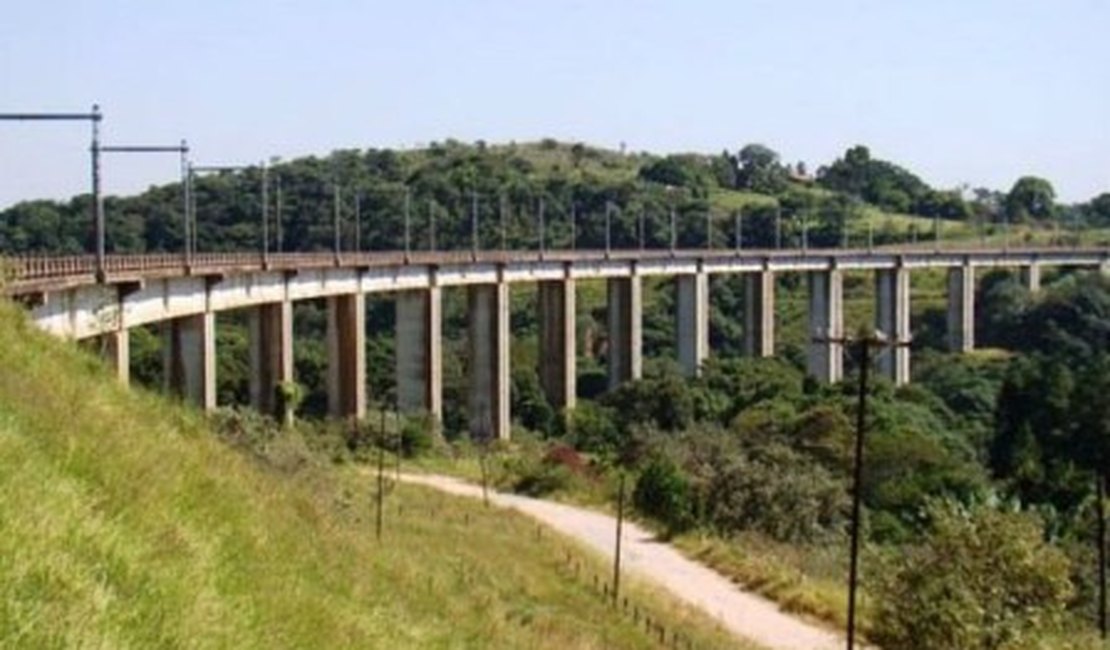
(744, 614)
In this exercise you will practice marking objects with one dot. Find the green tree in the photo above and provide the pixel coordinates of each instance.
(1030, 198)
(760, 170)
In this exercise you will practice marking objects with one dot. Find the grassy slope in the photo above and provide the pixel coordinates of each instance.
(123, 523)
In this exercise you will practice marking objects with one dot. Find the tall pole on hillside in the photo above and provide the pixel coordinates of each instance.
(617, 544)
(1101, 480)
(864, 345)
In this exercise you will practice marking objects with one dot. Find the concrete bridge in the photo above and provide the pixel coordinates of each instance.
(66, 297)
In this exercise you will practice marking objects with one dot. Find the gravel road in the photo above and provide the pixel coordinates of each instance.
(744, 614)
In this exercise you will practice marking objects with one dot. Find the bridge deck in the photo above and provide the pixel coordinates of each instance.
(31, 274)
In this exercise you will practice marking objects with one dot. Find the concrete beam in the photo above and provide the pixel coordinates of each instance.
(759, 314)
(692, 326)
(270, 329)
(419, 349)
(115, 350)
(892, 318)
(1031, 277)
(488, 311)
(189, 358)
(557, 350)
(347, 356)
(825, 361)
(961, 308)
(625, 306)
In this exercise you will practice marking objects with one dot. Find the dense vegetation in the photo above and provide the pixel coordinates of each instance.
(994, 456)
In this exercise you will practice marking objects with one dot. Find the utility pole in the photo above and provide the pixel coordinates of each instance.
(277, 213)
(97, 209)
(617, 544)
(864, 345)
(265, 215)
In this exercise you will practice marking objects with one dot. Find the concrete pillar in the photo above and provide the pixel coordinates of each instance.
(488, 311)
(759, 314)
(419, 362)
(692, 327)
(115, 349)
(1031, 277)
(189, 358)
(892, 318)
(347, 356)
(825, 361)
(961, 308)
(271, 356)
(625, 329)
(557, 353)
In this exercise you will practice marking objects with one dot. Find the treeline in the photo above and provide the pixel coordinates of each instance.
(576, 186)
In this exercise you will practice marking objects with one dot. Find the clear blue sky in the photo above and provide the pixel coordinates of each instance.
(971, 91)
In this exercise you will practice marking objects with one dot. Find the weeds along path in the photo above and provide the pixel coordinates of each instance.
(744, 614)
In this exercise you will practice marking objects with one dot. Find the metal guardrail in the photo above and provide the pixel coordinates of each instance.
(37, 270)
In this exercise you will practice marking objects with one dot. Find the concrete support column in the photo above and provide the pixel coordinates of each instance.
(961, 308)
(189, 358)
(625, 329)
(759, 314)
(488, 311)
(1031, 277)
(692, 313)
(347, 356)
(558, 354)
(115, 349)
(825, 361)
(892, 318)
(271, 356)
(419, 361)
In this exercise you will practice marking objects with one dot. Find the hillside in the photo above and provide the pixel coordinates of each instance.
(125, 523)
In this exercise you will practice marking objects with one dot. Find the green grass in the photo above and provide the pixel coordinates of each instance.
(125, 523)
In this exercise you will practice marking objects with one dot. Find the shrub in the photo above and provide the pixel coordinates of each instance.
(980, 579)
(663, 492)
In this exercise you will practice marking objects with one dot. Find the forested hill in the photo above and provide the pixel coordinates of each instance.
(444, 182)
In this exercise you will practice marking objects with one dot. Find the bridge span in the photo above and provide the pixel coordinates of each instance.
(66, 297)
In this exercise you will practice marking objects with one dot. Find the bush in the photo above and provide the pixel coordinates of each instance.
(663, 492)
(776, 491)
(981, 579)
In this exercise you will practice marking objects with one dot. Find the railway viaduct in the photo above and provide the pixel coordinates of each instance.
(68, 297)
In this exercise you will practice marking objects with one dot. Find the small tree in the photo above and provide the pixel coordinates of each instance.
(981, 579)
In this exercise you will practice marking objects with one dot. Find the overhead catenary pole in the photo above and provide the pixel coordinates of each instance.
(539, 218)
(94, 117)
(573, 226)
(335, 222)
(182, 149)
(265, 215)
(474, 224)
(739, 227)
(408, 223)
(608, 227)
(674, 232)
(358, 222)
(778, 226)
(502, 222)
(277, 214)
(431, 225)
(640, 229)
